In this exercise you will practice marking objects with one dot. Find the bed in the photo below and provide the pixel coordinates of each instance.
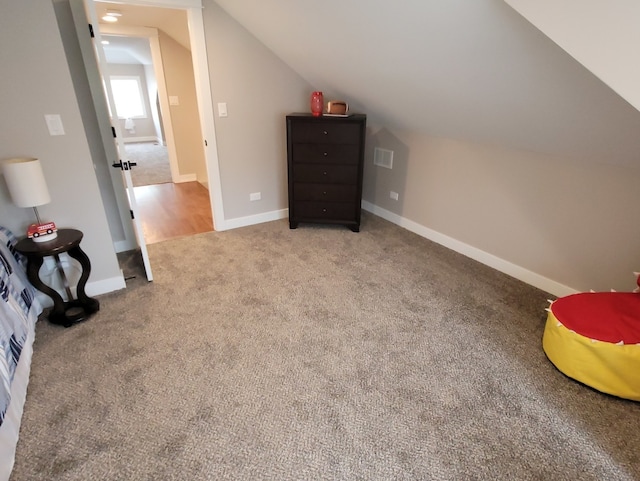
(19, 311)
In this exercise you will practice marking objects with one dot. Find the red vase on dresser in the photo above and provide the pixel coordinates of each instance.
(317, 103)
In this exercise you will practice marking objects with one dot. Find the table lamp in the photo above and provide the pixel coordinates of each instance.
(28, 188)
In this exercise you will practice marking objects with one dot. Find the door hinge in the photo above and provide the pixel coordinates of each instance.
(132, 216)
(91, 31)
(205, 143)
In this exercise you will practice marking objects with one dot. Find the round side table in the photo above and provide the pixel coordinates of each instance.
(72, 310)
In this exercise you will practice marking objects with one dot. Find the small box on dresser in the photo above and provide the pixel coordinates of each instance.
(325, 158)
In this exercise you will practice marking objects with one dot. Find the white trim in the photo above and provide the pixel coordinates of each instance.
(131, 140)
(158, 3)
(127, 31)
(256, 219)
(205, 108)
(186, 178)
(124, 245)
(94, 288)
(104, 286)
(506, 267)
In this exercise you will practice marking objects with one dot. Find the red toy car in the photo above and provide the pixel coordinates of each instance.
(36, 230)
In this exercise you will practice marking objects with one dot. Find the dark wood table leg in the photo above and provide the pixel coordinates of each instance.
(89, 304)
(76, 308)
(57, 314)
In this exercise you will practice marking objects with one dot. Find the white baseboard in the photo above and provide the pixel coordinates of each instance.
(124, 245)
(131, 140)
(96, 288)
(186, 178)
(253, 219)
(520, 273)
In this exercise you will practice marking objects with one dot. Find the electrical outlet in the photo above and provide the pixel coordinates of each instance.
(394, 195)
(255, 196)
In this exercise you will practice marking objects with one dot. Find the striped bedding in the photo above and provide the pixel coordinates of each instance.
(19, 311)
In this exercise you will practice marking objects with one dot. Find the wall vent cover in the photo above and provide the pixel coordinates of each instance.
(383, 157)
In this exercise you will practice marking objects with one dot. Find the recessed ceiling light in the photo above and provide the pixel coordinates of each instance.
(112, 16)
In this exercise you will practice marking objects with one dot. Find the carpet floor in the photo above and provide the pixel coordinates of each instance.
(152, 162)
(265, 353)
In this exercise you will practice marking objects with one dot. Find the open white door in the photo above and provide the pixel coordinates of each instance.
(86, 22)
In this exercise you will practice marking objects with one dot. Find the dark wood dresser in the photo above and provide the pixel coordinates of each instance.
(325, 157)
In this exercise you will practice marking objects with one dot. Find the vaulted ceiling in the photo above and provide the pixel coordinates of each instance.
(473, 70)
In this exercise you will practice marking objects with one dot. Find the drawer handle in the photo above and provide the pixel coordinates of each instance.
(324, 132)
(324, 210)
(325, 154)
(325, 173)
(324, 193)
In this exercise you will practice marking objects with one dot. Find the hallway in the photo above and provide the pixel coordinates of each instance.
(172, 210)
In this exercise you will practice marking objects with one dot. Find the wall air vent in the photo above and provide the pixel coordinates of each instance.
(383, 157)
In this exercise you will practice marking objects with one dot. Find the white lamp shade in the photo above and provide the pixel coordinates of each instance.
(26, 183)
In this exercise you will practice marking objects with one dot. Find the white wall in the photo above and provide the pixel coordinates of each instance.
(507, 146)
(567, 218)
(259, 90)
(185, 121)
(604, 36)
(554, 222)
(36, 81)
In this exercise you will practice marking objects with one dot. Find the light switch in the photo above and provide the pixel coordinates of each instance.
(222, 109)
(174, 100)
(54, 124)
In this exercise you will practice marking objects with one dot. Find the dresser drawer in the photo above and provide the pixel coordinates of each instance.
(326, 153)
(343, 211)
(325, 174)
(319, 132)
(325, 192)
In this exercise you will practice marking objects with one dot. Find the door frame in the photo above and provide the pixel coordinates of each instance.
(200, 63)
(151, 34)
(97, 69)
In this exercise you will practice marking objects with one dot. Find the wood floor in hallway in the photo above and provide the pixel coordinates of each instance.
(171, 210)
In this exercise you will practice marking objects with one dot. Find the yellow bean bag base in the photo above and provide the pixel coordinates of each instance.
(594, 338)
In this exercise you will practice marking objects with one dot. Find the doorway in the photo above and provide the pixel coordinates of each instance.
(170, 178)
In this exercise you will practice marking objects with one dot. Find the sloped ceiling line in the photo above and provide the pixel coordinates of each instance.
(473, 71)
(602, 36)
